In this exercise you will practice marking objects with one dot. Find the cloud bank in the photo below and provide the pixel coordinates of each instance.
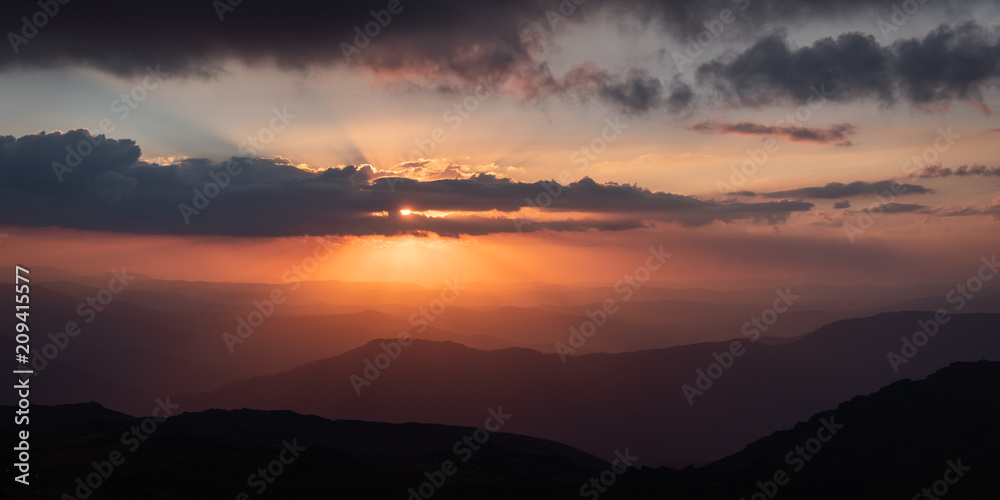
(450, 45)
(112, 189)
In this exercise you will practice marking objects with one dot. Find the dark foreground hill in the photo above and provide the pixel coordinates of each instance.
(219, 454)
(890, 444)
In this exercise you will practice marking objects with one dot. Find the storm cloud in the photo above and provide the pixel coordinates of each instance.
(950, 63)
(448, 45)
(112, 189)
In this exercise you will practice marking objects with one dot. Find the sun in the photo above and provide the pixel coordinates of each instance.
(405, 211)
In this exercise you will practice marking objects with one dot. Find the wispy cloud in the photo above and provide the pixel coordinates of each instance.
(932, 171)
(834, 134)
(834, 190)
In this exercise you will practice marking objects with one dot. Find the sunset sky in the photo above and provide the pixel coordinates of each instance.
(531, 141)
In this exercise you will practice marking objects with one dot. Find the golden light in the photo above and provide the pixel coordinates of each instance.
(405, 211)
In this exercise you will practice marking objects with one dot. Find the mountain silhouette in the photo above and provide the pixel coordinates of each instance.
(889, 444)
(603, 402)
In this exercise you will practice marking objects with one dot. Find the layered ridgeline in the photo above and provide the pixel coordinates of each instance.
(910, 438)
(180, 337)
(674, 406)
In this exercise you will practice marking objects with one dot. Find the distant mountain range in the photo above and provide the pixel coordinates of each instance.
(603, 402)
(671, 406)
(168, 336)
(932, 433)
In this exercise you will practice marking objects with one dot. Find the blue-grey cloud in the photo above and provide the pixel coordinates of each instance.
(959, 62)
(450, 45)
(834, 190)
(112, 189)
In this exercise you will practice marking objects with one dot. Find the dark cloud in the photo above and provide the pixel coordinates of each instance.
(455, 38)
(891, 208)
(462, 40)
(640, 92)
(450, 45)
(842, 204)
(834, 134)
(681, 96)
(836, 190)
(950, 63)
(636, 92)
(112, 189)
(445, 45)
(683, 18)
(486, 192)
(851, 67)
(896, 208)
(962, 171)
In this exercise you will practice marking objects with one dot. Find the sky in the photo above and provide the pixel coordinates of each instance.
(535, 141)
